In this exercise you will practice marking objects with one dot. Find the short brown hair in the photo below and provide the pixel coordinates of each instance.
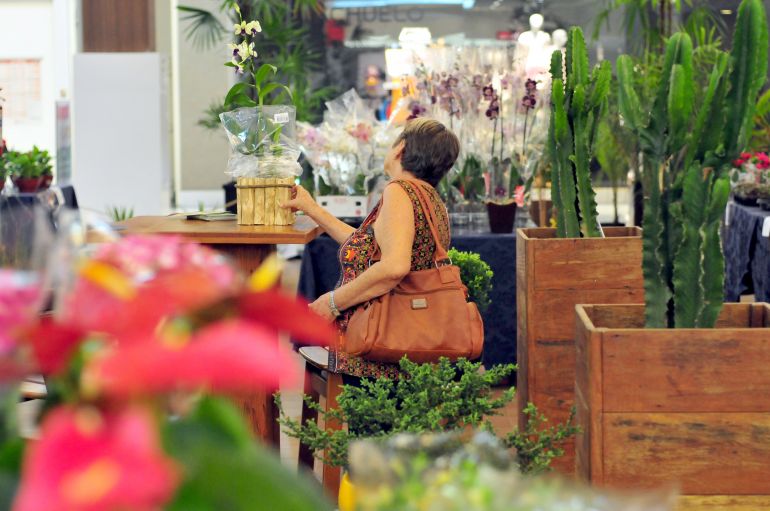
(430, 149)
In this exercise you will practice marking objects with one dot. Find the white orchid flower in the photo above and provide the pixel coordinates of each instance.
(253, 27)
(242, 52)
(240, 28)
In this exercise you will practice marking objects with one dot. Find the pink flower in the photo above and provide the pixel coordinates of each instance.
(89, 460)
(229, 357)
(518, 195)
(20, 301)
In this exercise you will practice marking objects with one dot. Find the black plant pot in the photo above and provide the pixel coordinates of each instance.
(230, 197)
(502, 216)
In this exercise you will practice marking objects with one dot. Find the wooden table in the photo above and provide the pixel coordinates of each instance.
(248, 246)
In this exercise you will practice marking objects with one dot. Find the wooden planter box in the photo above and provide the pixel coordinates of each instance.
(686, 406)
(552, 276)
(258, 200)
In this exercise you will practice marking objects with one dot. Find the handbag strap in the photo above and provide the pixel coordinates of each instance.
(440, 253)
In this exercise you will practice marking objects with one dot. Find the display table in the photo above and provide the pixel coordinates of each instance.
(320, 272)
(747, 253)
(248, 246)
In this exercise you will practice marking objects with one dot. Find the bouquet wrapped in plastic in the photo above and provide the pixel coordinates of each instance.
(263, 161)
(349, 146)
(441, 472)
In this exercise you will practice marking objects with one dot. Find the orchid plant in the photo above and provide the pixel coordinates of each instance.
(253, 92)
(151, 329)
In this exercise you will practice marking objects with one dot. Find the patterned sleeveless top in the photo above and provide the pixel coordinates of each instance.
(354, 256)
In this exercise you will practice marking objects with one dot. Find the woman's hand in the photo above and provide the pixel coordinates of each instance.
(300, 200)
(322, 308)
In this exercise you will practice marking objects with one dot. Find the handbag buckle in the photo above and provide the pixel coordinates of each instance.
(419, 303)
(447, 261)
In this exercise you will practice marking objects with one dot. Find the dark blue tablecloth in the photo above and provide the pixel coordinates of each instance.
(747, 253)
(320, 271)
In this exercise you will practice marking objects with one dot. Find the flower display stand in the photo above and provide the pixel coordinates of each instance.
(676, 406)
(259, 200)
(552, 276)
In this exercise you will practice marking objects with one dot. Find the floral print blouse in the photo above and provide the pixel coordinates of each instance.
(354, 256)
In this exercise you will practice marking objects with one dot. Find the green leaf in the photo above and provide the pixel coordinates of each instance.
(601, 79)
(262, 72)
(270, 87)
(709, 115)
(237, 90)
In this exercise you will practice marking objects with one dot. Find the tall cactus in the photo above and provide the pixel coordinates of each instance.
(578, 100)
(688, 138)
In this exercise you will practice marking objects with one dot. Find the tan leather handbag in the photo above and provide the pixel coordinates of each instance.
(424, 317)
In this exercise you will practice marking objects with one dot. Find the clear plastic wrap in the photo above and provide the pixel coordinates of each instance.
(348, 148)
(444, 473)
(263, 141)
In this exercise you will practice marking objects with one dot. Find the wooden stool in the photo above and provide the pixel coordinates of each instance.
(319, 382)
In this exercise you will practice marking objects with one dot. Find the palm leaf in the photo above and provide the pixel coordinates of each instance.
(204, 29)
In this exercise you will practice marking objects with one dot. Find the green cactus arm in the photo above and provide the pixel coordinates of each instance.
(579, 64)
(568, 85)
(712, 277)
(681, 95)
(563, 147)
(687, 277)
(708, 122)
(656, 291)
(581, 160)
(749, 71)
(557, 73)
(557, 66)
(628, 100)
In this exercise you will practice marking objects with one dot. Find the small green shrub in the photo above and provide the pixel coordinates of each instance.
(30, 164)
(475, 274)
(445, 396)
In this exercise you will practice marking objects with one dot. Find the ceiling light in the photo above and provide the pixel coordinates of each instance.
(726, 12)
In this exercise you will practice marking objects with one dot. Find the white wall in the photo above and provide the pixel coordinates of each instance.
(26, 32)
(201, 79)
(121, 146)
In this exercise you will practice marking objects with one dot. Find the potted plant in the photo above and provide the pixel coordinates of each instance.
(511, 177)
(578, 261)
(694, 414)
(30, 171)
(476, 275)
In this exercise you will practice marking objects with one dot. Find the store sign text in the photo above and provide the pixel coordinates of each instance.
(385, 15)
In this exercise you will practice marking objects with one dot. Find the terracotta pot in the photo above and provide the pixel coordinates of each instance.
(501, 216)
(47, 180)
(684, 406)
(28, 184)
(553, 275)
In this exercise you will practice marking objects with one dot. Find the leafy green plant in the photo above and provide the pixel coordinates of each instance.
(120, 213)
(688, 138)
(437, 397)
(30, 164)
(476, 275)
(578, 103)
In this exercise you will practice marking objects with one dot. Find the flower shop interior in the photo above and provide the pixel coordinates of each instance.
(187, 185)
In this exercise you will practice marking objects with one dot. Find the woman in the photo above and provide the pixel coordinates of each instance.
(421, 156)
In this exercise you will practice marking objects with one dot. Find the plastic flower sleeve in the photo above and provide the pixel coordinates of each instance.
(263, 141)
(444, 473)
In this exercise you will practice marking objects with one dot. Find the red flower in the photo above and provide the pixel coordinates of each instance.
(285, 314)
(232, 357)
(87, 460)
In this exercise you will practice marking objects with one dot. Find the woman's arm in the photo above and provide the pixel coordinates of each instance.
(303, 201)
(394, 230)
